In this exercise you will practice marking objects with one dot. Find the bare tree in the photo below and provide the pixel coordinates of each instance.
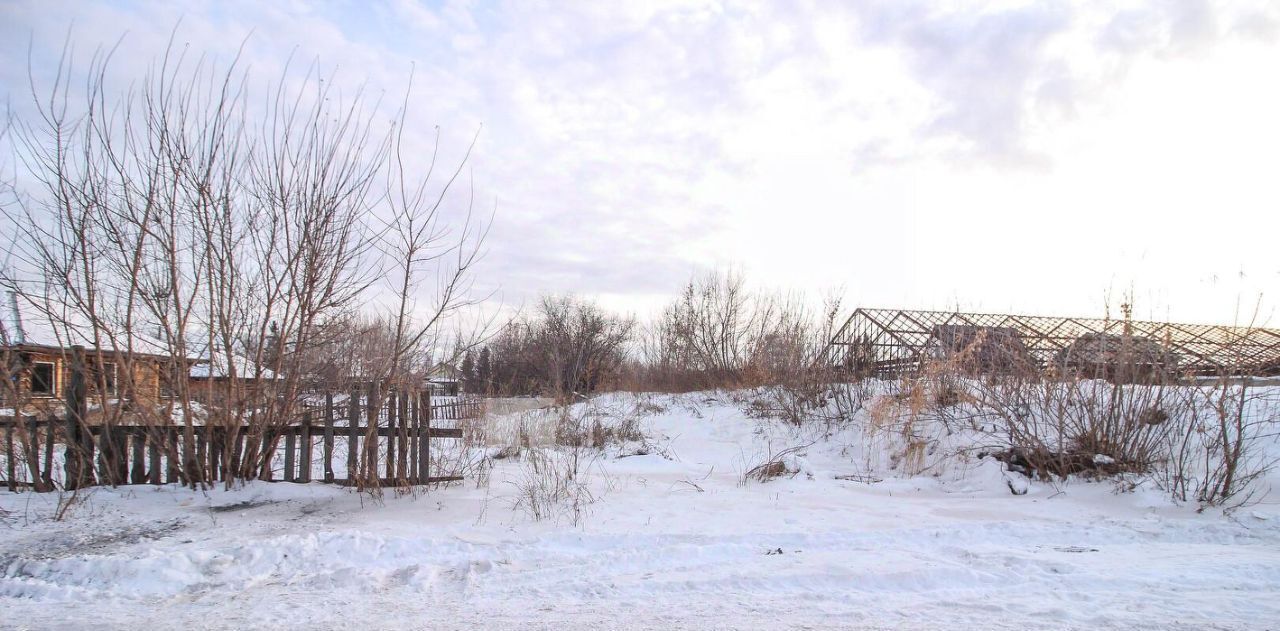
(180, 222)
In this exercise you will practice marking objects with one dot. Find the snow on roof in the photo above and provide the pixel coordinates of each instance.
(35, 321)
(216, 368)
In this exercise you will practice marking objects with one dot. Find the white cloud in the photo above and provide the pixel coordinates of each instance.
(816, 143)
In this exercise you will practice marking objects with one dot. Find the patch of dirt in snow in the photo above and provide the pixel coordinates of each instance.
(67, 543)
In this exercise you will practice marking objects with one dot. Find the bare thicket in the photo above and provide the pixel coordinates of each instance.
(718, 333)
(567, 348)
(1202, 438)
(183, 221)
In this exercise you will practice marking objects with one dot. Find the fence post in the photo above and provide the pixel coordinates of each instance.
(402, 440)
(202, 457)
(304, 454)
(424, 457)
(288, 453)
(138, 472)
(47, 473)
(171, 455)
(391, 435)
(216, 456)
(32, 450)
(373, 415)
(78, 457)
(51, 434)
(328, 437)
(270, 440)
(11, 463)
(153, 456)
(353, 438)
(415, 436)
(104, 454)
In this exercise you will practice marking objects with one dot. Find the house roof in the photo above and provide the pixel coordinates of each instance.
(31, 322)
(216, 367)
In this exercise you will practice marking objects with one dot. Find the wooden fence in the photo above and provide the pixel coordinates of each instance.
(328, 443)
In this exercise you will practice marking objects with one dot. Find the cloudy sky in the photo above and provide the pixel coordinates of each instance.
(1033, 157)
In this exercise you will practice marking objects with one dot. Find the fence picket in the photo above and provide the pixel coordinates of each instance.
(328, 437)
(401, 437)
(138, 472)
(391, 436)
(171, 445)
(288, 455)
(304, 455)
(11, 468)
(153, 457)
(49, 437)
(353, 439)
(402, 427)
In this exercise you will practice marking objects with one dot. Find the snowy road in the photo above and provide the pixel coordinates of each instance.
(984, 574)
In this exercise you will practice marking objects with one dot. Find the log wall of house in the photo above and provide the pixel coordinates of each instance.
(144, 386)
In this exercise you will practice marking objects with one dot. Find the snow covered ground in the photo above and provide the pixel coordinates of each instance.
(672, 539)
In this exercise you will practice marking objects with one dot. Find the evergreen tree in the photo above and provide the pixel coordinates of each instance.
(484, 371)
(468, 370)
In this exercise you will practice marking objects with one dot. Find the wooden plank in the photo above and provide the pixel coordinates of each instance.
(106, 455)
(121, 448)
(389, 482)
(425, 457)
(237, 443)
(289, 446)
(219, 455)
(171, 456)
(328, 437)
(210, 460)
(175, 470)
(391, 435)
(201, 456)
(32, 448)
(415, 436)
(436, 432)
(138, 472)
(50, 435)
(353, 436)
(267, 443)
(304, 457)
(11, 463)
(153, 456)
(402, 436)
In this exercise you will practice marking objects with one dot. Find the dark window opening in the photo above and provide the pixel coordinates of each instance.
(109, 371)
(42, 378)
(105, 375)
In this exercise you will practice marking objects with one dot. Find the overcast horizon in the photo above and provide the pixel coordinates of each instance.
(1021, 157)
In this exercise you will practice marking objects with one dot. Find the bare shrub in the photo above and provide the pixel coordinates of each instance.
(1216, 453)
(567, 349)
(554, 483)
(719, 334)
(1201, 439)
(901, 424)
(776, 465)
(1061, 428)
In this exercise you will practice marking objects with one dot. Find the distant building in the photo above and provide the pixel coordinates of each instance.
(444, 380)
(37, 355)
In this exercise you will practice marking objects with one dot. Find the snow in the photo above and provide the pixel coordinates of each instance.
(667, 536)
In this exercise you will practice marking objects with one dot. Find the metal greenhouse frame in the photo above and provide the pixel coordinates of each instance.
(891, 342)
